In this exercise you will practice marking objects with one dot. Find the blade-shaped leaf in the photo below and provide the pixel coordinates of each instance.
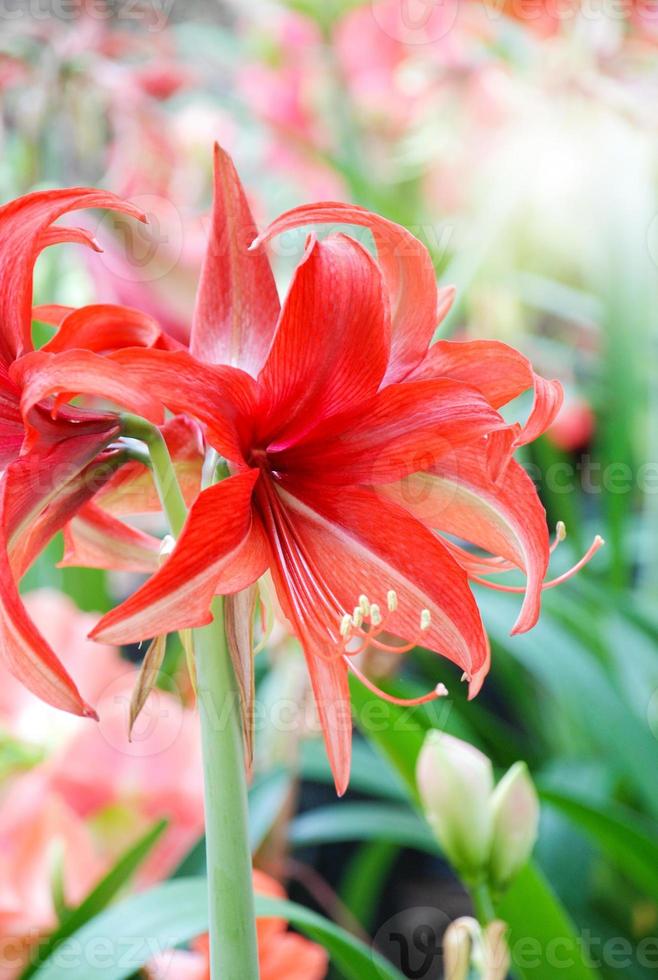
(541, 936)
(97, 900)
(131, 933)
(362, 821)
(627, 840)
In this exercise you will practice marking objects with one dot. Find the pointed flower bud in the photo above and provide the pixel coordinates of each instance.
(457, 945)
(467, 946)
(455, 781)
(515, 808)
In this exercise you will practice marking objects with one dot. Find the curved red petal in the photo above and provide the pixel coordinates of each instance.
(500, 372)
(332, 341)
(96, 539)
(12, 430)
(209, 557)
(504, 517)
(143, 380)
(39, 493)
(24, 230)
(407, 268)
(237, 303)
(355, 541)
(59, 235)
(406, 427)
(104, 327)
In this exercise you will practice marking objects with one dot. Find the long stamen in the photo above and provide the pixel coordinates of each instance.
(596, 544)
(440, 691)
(367, 614)
(560, 535)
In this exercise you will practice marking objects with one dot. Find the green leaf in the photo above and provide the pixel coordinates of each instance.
(370, 773)
(396, 732)
(364, 881)
(362, 821)
(98, 899)
(627, 840)
(584, 695)
(541, 936)
(123, 939)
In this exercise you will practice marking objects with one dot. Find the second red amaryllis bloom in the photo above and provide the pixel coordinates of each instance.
(67, 461)
(327, 411)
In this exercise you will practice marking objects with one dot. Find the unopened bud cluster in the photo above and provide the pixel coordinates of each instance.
(487, 832)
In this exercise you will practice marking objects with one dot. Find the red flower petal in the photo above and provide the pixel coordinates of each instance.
(104, 327)
(500, 373)
(329, 550)
(220, 550)
(24, 225)
(39, 493)
(505, 518)
(82, 372)
(407, 269)
(59, 235)
(224, 398)
(332, 340)
(237, 304)
(12, 430)
(96, 539)
(404, 428)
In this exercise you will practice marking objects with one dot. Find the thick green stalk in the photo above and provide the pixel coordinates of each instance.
(233, 946)
(164, 475)
(483, 904)
(233, 949)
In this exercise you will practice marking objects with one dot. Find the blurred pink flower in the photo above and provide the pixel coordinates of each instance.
(92, 770)
(280, 86)
(156, 775)
(39, 834)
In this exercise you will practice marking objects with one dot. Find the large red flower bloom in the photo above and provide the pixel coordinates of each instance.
(353, 445)
(41, 489)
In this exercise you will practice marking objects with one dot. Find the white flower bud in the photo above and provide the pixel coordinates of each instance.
(467, 947)
(455, 781)
(457, 946)
(515, 809)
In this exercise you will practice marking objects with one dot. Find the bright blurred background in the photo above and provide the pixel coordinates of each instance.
(518, 140)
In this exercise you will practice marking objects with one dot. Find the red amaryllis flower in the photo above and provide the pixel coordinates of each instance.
(333, 412)
(41, 489)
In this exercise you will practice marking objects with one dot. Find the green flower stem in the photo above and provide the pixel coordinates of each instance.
(483, 904)
(233, 947)
(164, 475)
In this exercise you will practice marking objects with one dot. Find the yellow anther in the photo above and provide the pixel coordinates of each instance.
(375, 615)
(560, 531)
(345, 624)
(364, 604)
(392, 600)
(357, 617)
(425, 619)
